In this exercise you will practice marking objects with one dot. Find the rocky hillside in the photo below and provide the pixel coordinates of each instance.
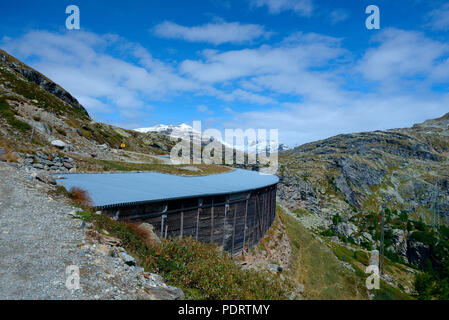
(341, 185)
(38, 115)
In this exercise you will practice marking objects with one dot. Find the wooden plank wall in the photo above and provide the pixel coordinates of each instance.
(235, 221)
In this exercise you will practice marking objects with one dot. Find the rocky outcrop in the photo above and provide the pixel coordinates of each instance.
(417, 252)
(53, 163)
(41, 81)
(297, 192)
(346, 229)
(399, 168)
(400, 243)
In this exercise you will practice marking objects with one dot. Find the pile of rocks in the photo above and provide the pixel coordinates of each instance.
(53, 163)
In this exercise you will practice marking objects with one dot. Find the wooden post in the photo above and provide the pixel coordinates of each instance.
(200, 204)
(233, 229)
(182, 218)
(163, 216)
(224, 220)
(212, 221)
(246, 215)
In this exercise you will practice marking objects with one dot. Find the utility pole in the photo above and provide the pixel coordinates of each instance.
(436, 216)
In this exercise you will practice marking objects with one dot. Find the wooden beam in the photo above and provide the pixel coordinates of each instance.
(233, 230)
(246, 215)
(224, 220)
(182, 219)
(200, 204)
(212, 221)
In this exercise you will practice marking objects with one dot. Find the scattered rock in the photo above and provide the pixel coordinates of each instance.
(104, 249)
(46, 178)
(367, 236)
(107, 240)
(58, 143)
(165, 293)
(129, 260)
(346, 229)
(68, 165)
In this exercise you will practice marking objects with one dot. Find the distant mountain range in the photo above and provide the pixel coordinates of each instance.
(185, 131)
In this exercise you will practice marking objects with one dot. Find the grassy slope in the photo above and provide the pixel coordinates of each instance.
(320, 267)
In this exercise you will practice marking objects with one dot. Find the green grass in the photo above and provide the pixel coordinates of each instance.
(317, 267)
(8, 114)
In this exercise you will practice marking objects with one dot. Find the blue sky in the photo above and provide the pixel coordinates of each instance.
(309, 68)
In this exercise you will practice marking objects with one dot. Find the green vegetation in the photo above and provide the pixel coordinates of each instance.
(8, 114)
(318, 268)
(433, 283)
(30, 90)
(201, 270)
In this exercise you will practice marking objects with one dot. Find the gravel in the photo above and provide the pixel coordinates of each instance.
(40, 238)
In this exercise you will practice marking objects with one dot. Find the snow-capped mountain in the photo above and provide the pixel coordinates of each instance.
(186, 131)
(177, 131)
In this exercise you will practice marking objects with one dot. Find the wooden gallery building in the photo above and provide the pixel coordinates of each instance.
(232, 209)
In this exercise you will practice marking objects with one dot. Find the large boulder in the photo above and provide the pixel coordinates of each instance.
(165, 292)
(46, 178)
(400, 243)
(129, 260)
(346, 229)
(58, 143)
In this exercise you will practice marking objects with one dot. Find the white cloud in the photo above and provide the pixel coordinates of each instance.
(309, 85)
(402, 55)
(338, 15)
(215, 33)
(300, 7)
(204, 109)
(296, 54)
(439, 18)
(82, 64)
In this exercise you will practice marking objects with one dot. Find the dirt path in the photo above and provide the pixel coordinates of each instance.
(39, 239)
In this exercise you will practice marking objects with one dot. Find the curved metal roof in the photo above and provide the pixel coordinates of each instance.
(109, 189)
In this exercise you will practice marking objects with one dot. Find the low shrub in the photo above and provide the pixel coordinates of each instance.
(202, 270)
(80, 197)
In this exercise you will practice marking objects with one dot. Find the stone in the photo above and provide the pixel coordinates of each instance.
(68, 165)
(38, 166)
(58, 143)
(46, 178)
(164, 293)
(400, 243)
(2, 151)
(367, 236)
(129, 260)
(346, 229)
(103, 146)
(103, 249)
(149, 230)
